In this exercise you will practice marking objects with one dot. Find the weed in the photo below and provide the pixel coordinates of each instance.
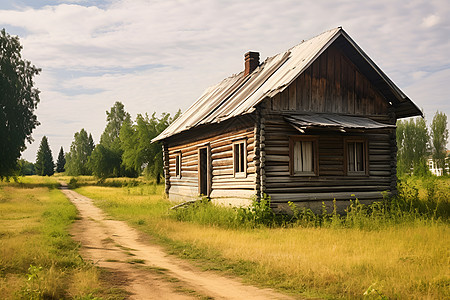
(136, 261)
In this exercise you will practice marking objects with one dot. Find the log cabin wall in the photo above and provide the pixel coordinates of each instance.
(332, 84)
(331, 182)
(225, 187)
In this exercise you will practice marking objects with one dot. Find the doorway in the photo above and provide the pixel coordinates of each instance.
(203, 172)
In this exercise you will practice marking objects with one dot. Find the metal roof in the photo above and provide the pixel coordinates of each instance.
(239, 94)
(330, 121)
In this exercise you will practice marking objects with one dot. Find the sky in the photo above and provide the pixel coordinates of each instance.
(159, 56)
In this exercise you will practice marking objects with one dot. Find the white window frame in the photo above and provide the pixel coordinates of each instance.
(240, 158)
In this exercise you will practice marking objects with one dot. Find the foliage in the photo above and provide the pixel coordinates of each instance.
(439, 138)
(104, 162)
(61, 162)
(115, 118)
(18, 100)
(412, 139)
(138, 150)
(403, 208)
(107, 157)
(44, 159)
(78, 157)
(26, 168)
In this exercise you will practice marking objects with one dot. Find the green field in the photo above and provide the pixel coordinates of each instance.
(405, 254)
(38, 258)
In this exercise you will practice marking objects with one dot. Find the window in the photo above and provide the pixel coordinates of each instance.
(240, 159)
(178, 165)
(303, 156)
(356, 157)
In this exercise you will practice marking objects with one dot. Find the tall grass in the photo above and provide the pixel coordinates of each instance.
(397, 249)
(38, 258)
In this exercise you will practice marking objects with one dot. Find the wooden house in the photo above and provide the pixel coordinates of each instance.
(312, 124)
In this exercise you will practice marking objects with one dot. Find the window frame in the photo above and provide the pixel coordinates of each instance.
(365, 156)
(243, 155)
(178, 168)
(315, 152)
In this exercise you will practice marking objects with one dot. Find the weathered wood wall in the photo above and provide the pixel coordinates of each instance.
(332, 84)
(332, 182)
(225, 188)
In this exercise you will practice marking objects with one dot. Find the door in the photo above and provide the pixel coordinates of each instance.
(203, 172)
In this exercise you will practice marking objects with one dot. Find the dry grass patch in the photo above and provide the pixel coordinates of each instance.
(38, 259)
(407, 261)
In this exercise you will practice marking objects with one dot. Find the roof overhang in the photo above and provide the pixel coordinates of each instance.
(301, 122)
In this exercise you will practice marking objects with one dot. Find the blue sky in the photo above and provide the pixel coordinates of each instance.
(161, 55)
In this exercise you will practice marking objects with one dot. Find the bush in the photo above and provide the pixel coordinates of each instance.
(403, 208)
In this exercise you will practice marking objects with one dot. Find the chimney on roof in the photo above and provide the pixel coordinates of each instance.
(251, 62)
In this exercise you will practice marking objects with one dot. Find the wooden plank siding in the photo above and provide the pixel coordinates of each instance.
(331, 182)
(332, 84)
(225, 187)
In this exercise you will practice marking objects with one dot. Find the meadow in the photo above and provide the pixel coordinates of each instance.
(396, 250)
(38, 258)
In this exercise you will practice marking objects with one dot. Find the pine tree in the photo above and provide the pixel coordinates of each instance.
(44, 160)
(61, 162)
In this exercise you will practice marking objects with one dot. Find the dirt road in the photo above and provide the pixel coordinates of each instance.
(144, 269)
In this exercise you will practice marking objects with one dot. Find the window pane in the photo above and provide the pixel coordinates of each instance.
(303, 156)
(356, 157)
(359, 156)
(236, 158)
(297, 156)
(351, 156)
(307, 156)
(177, 165)
(242, 158)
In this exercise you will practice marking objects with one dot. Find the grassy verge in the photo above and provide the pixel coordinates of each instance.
(405, 259)
(38, 259)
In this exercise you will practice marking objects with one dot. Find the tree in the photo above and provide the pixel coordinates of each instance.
(61, 162)
(26, 168)
(439, 137)
(103, 162)
(138, 151)
(44, 159)
(18, 100)
(78, 157)
(107, 160)
(115, 118)
(412, 143)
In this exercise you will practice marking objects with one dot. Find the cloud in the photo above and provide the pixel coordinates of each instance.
(430, 21)
(161, 55)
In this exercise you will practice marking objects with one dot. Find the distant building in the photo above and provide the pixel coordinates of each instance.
(439, 171)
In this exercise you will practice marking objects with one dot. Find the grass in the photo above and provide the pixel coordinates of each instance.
(38, 258)
(407, 258)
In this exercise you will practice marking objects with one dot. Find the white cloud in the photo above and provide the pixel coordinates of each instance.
(430, 21)
(160, 55)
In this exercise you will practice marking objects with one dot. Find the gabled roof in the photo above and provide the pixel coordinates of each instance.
(239, 94)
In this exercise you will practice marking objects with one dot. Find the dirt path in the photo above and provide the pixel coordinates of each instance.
(143, 269)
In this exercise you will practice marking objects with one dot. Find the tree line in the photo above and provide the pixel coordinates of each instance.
(124, 150)
(416, 143)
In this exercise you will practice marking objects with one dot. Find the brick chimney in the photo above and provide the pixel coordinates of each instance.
(251, 62)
